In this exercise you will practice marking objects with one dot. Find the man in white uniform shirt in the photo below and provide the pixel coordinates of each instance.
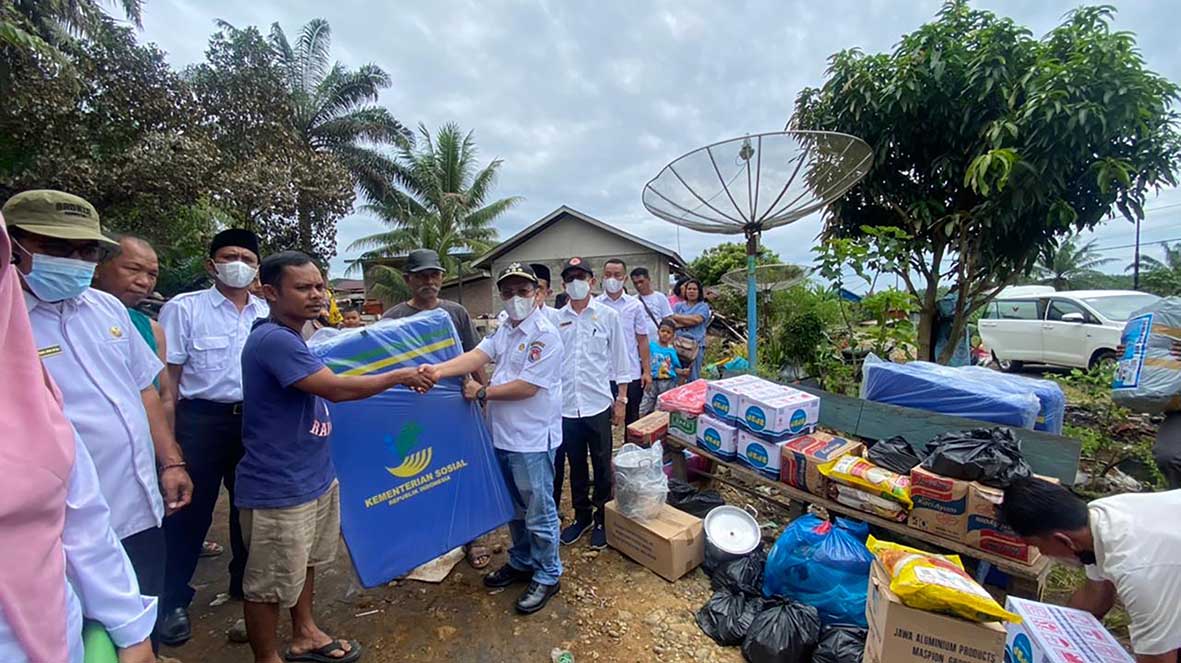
(104, 370)
(524, 402)
(205, 332)
(595, 347)
(634, 320)
(1130, 545)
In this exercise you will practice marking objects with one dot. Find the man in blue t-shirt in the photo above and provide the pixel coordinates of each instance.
(286, 485)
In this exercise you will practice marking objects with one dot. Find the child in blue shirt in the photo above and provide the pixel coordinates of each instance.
(666, 365)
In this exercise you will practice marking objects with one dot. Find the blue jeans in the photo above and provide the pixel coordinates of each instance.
(535, 525)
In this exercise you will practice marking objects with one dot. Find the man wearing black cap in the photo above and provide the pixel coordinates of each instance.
(524, 401)
(594, 355)
(205, 332)
(424, 276)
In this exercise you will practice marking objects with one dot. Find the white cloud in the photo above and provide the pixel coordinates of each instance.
(585, 102)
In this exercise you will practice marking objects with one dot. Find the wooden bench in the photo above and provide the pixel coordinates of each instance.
(1049, 455)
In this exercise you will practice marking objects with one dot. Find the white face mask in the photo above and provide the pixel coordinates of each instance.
(612, 285)
(519, 308)
(578, 289)
(235, 274)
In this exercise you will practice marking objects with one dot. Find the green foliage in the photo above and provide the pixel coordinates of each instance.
(1065, 265)
(1161, 277)
(41, 29)
(441, 202)
(727, 256)
(890, 311)
(387, 285)
(1105, 442)
(991, 145)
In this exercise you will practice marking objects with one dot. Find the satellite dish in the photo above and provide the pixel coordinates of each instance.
(755, 183)
(768, 278)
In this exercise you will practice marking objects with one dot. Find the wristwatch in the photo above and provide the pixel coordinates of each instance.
(482, 395)
(622, 399)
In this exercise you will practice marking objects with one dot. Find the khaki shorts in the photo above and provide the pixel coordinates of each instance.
(283, 543)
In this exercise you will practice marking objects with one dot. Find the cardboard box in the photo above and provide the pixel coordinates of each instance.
(801, 457)
(776, 412)
(940, 504)
(648, 429)
(898, 634)
(1053, 634)
(682, 427)
(670, 545)
(760, 455)
(716, 437)
(721, 396)
(984, 530)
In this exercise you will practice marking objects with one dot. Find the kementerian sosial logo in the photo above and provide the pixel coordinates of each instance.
(405, 448)
(413, 467)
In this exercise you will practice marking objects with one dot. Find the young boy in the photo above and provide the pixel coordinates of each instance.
(666, 365)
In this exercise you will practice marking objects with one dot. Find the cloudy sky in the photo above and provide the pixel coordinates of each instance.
(586, 101)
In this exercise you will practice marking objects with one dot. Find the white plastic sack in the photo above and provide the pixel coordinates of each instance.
(641, 486)
(1148, 378)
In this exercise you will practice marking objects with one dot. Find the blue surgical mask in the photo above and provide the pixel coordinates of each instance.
(55, 279)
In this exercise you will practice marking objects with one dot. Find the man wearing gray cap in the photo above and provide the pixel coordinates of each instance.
(104, 370)
(423, 274)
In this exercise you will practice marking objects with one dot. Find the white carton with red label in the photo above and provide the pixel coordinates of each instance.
(1054, 634)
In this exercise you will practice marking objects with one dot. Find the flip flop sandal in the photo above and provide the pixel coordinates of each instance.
(324, 654)
(478, 556)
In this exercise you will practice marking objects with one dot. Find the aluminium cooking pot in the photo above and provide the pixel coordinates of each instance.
(731, 532)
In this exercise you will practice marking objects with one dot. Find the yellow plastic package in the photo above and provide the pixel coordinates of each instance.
(937, 583)
(857, 472)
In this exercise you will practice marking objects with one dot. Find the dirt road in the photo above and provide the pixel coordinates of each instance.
(610, 609)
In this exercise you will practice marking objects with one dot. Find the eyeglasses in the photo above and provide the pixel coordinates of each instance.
(575, 276)
(62, 248)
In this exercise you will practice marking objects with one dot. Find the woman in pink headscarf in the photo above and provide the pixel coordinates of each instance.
(60, 560)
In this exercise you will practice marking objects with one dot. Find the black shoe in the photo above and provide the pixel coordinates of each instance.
(598, 538)
(505, 576)
(173, 627)
(574, 531)
(536, 596)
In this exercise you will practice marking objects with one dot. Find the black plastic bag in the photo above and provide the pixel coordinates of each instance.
(744, 574)
(726, 616)
(840, 644)
(990, 456)
(784, 632)
(894, 454)
(684, 496)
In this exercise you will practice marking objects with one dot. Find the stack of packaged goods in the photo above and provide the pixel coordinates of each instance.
(767, 416)
(801, 458)
(683, 405)
(858, 483)
(923, 605)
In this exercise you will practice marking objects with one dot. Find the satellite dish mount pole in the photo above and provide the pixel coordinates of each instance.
(752, 318)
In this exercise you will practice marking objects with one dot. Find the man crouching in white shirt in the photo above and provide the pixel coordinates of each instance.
(1130, 545)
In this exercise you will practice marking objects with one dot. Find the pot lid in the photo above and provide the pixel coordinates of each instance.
(732, 530)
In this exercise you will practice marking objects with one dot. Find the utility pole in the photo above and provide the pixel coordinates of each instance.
(1136, 264)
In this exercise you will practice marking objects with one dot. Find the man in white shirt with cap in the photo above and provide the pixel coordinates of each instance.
(524, 402)
(205, 332)
(595, 356)
(104, 369)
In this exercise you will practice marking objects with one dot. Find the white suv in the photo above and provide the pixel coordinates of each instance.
(1080, 328)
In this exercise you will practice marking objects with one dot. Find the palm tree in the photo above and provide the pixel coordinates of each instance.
(440, 201)
(1069, 262)
(333, 112)
(44, 26)
(1161, 277)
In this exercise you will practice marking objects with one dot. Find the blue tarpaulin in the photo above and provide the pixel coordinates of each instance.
(418, 475)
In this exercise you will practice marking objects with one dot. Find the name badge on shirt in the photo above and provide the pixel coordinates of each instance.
(116, 332)
(49, 351)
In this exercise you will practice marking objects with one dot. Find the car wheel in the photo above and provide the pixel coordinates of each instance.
(1104, 358)
(1007, 365)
